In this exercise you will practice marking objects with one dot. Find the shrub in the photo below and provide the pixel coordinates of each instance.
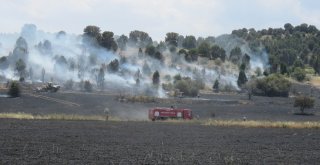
(113, 66)
(228, 88)
(299, 74)
(87, 86)
(156, 78)
(216, 85)
(167, 86)
(273, 85)
(242, 79)
(187, 86)
(303, 102)
(14, 89)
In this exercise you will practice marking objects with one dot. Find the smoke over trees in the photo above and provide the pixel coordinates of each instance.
(103, 57)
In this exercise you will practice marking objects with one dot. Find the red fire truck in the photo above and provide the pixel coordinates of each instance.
(161, 113)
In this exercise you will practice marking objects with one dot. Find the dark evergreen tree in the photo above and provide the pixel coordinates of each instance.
(156, 78)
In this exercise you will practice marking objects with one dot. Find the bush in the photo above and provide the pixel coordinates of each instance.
(273, 85)
(156, 78)
(216, 85)
(14, 89)
(303, 102)
(299, 74)
(229, 88)
(87, 86)
(242, 79)
(187, 86)
(113, 66)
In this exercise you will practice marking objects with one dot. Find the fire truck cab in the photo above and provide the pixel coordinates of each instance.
(161, 113)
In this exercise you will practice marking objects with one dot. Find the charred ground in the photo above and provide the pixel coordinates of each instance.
(146, 142)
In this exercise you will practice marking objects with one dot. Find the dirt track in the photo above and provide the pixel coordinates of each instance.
(89, 142)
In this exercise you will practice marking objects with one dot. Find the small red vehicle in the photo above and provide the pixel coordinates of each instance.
(161, 113)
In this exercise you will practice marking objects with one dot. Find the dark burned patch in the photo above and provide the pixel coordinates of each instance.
(304, 114)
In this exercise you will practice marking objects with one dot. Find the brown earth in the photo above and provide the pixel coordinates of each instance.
(94, 142)
(144, 142)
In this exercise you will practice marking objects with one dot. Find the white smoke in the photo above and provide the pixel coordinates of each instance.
(70, 46)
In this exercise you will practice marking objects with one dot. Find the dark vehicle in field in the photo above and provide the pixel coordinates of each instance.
(161, 113)
(50, 87)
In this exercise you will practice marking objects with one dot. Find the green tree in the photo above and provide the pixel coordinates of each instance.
(193, 53)
(20, 51)
(61, 34)
(283, 69)
(218, 52)
(139, 38)
(161, 46)
(204, 49)
(146, 69)
(180, 40)
(258, 72)
(246, 59)
(107, 41)
(235, 55)
(189, 42)
(316, 64)
(159, 56)
(177, 77)
(288, 27)
(242, 78)
(91, 35)
(156, 78)
(216, 85)
(4, 62)
(140, 53)
(14, 89)
(172, 39)
(299, 74)
(187, 87)
(113, 66)
(182, 52)
(150, 50)
(273, 85)
(304, 102)
(298, 63)
(122, 42)
(87, 86)
(21, 68)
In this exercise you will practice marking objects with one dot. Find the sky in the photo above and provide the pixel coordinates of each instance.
(157, 17)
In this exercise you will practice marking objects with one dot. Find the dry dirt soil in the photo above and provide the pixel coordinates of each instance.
(94, 142)
(145, 142)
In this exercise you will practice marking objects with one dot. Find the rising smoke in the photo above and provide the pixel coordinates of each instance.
(65, 57)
